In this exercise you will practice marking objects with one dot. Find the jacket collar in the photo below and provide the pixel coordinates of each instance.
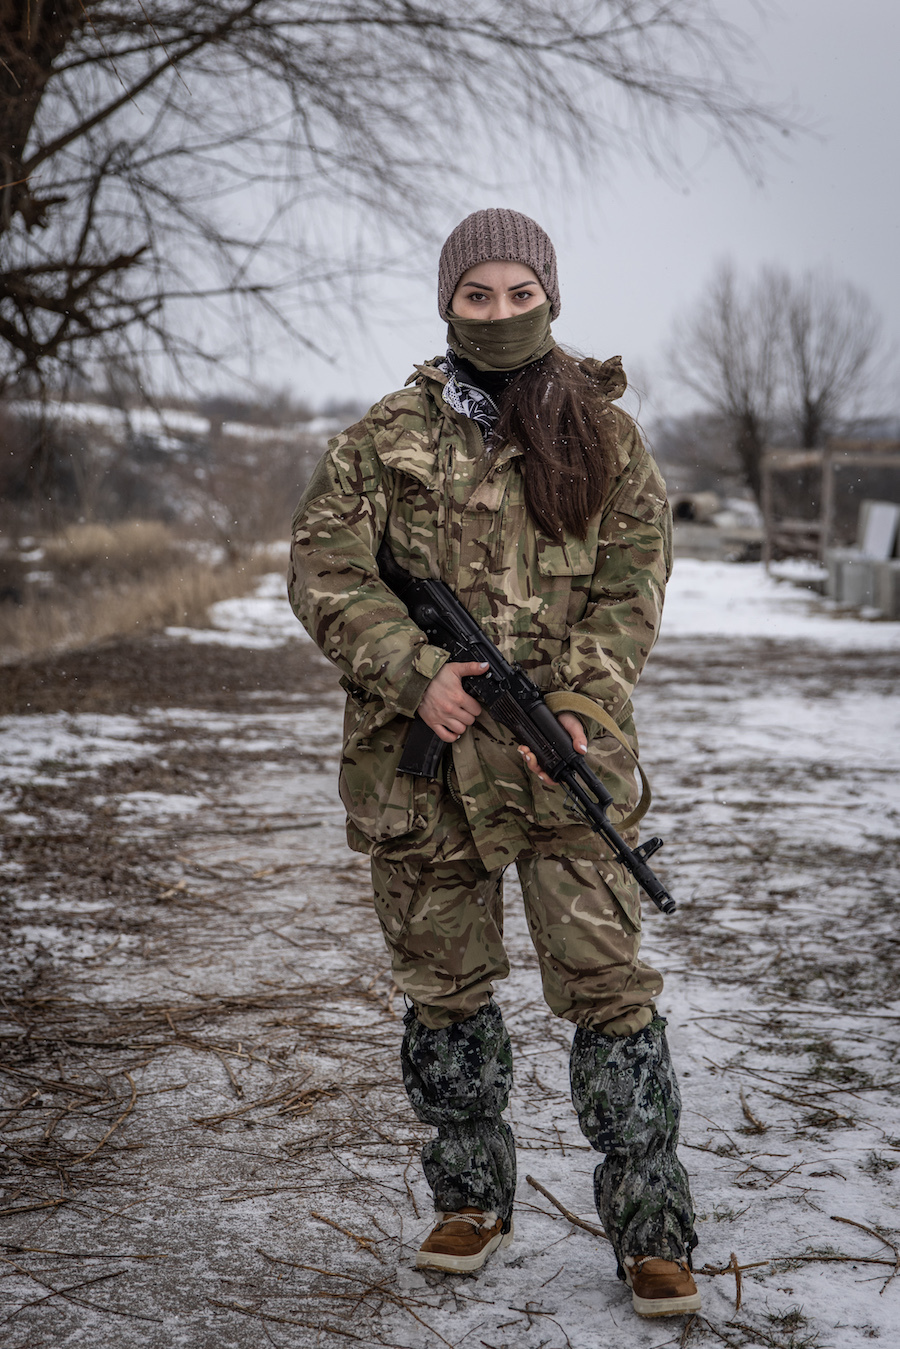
(415, 452)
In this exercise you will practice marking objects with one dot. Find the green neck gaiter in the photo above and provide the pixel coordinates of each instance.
(502, 344)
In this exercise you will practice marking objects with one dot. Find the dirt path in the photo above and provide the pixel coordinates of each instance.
(206, 1140)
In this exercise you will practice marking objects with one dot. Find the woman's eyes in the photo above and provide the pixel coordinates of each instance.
(479, 296)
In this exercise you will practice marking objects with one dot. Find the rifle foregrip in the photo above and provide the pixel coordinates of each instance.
(422, 752)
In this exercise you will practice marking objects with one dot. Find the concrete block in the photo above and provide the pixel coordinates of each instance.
(858, 582)
(877, 530)
(836, 560)
(887, 588)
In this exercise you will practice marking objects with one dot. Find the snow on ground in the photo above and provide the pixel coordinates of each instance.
(222, 989)
(260, 620)
(719, 599)
(147, 420)
(704, 599)
(168, 425)
(41, 745)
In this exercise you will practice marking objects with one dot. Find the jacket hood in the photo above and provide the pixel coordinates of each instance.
(608, 375)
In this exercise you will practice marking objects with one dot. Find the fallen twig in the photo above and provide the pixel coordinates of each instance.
(884, 1240)
(737, 1281)
(287, 1320)
(809, 1105)
(32, 1208)
(369, 1123)
(718, 1334)
(238, 1089)
(412, 1197)
(390, 1293)
(56, 1083)
(750, 1117)
(365, 1242)
(301, 1102)
(35, 1091)
(577, 1222)
(247, 830)
(285, 937)
(529, 1311)
(686, 1332)
(65, 1293)
(825, 1259)
(57, 1292)
(128, 1109)
(288, 1092)
(757, 1335)
(79, 1255)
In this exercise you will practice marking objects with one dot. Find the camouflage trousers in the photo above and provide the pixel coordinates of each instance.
(443, 924)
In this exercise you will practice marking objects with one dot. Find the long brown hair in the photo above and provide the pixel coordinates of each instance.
(557, 412)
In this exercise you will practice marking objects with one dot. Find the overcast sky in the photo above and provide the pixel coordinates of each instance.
(635, 250)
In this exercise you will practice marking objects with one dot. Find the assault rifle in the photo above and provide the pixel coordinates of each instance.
(515, 702)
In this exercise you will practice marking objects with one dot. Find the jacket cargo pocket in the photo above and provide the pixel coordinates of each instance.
(378, 800)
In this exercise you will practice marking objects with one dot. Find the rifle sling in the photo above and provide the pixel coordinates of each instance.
(562, 701)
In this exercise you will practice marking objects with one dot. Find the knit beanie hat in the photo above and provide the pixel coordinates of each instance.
(497, 235)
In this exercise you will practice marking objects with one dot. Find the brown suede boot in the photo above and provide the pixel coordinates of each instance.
(660, 1287)
(461, 1242)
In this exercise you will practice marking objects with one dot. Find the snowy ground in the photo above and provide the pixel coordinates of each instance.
(206, 1140)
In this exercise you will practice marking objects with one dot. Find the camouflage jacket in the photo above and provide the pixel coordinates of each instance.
(579, 615)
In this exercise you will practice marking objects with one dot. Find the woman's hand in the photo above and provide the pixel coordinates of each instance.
(445, 705)
(569, 722)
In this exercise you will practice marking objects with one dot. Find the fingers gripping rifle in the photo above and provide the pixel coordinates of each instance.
(515, 702)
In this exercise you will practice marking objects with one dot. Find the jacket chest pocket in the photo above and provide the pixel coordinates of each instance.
(565, 575)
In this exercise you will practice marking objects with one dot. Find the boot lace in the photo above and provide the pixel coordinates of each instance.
(476, 1220)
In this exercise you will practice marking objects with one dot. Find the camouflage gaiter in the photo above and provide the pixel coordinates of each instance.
(502, 344)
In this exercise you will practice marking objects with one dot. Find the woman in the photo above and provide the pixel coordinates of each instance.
(504, 469)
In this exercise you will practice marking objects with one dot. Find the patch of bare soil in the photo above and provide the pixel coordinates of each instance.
(128, 676)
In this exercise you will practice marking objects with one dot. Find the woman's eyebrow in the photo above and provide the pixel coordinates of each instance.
(519, 285)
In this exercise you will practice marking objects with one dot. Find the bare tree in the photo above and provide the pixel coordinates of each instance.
(776, 351)
(831, 340)
(728, 351)
(156, 154)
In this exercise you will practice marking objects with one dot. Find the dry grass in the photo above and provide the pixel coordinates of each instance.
(130, 548)
(178, 594)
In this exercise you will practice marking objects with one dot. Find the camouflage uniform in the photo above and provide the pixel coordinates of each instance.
(579, 615)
